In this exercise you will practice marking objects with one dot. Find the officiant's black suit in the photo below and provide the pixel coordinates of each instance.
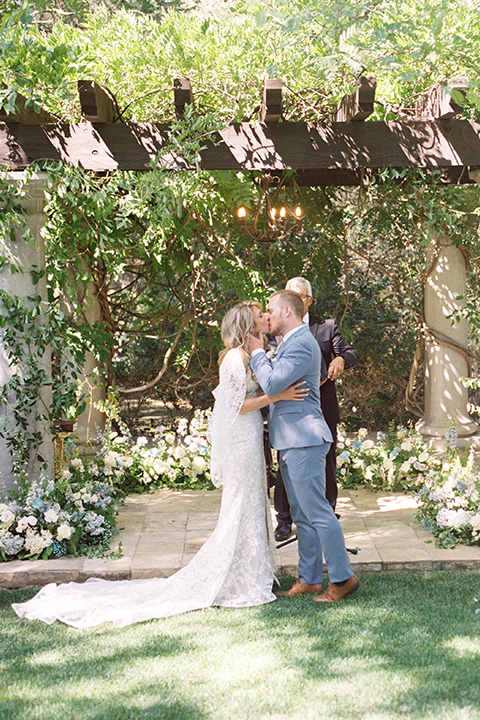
(332, 344)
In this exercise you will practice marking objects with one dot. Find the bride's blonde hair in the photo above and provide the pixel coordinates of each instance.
(237, 325)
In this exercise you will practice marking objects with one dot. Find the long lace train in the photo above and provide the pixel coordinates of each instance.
(233, 569)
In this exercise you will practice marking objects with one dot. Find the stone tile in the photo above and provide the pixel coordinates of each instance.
(47, 576)
(147, 573)
(94, 565)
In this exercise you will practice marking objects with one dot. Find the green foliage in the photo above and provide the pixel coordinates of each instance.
(161, 252)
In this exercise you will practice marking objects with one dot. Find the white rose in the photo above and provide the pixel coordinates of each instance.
(7, 517)
(66, 475)
(407, 445)
(185, 462)
(76, 463)
(367, 444)
(110, 459)
(32, 520)
(363, 432)
(199, 465)
(22, 524)
(64, 532)
(388, 464)
(170, 438)
(51, 516)
(423, 457)
(405, 467)
(475, 521)
(179, 452)
(339, 461)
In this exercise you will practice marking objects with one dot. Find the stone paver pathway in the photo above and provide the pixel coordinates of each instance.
(160, 533)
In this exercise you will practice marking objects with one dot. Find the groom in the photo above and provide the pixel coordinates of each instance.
(299, 431)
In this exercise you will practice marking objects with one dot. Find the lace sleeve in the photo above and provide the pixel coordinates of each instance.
(229, 397)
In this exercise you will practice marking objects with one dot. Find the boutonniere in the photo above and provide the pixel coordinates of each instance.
(271, 353)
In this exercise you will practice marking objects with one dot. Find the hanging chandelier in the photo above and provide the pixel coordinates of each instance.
(269, 222)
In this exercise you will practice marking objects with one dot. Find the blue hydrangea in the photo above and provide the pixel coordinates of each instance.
(357, 444)
(94, 524)
(37, 503)
(11, 544)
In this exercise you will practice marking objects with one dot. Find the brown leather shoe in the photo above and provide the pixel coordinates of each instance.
(300, 587)
(335, 593)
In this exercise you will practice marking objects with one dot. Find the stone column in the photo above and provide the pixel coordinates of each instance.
(26, 255)
(93, 373)
(445, 396)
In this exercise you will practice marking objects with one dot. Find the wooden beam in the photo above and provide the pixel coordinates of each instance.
(440, 102)
(97, 105)
(183, 95)
(271, 108)
(359, 105)
(331, 151)
(26, 114)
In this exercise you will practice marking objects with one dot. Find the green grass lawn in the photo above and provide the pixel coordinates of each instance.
(405, 645)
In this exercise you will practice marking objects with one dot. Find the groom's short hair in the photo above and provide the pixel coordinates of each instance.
(291, 298)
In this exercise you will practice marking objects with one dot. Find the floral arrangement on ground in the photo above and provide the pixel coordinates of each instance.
(51, 518)
(176, 457)
(447, 487)
(76, 513)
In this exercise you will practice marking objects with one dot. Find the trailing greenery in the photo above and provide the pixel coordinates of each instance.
(404, 646)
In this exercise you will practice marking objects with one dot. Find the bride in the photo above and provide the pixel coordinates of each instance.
(235, 567)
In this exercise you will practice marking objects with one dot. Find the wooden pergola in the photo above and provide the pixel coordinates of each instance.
(345, 151)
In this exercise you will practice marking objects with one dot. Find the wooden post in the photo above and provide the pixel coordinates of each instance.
(271, 108)
(359, 105)
(97, 105)
(183, 95)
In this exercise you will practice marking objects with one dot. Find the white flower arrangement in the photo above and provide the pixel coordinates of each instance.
(174, 457)
(397, 459)
(447, 490)
(450, 501)
(49, 519)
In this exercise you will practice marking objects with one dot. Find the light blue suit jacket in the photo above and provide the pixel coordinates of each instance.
(291, 423)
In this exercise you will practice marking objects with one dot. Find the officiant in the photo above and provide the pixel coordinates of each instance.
(337, 356)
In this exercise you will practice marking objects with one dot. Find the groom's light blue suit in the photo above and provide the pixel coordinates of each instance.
(298, 429)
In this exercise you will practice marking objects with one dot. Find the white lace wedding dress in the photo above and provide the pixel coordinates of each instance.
(235, 566)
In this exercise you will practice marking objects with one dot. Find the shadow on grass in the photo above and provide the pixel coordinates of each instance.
(422, 630)
(92, 666)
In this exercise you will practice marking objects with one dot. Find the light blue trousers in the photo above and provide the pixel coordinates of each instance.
(318, 530)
